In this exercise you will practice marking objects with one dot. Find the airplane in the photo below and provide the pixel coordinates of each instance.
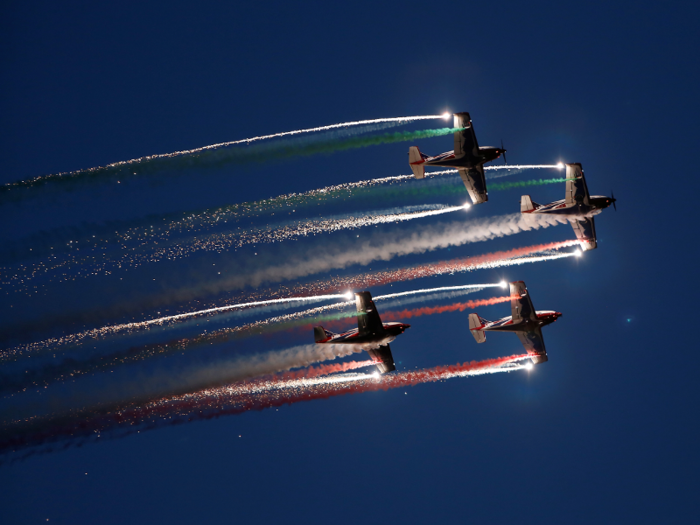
(467, 157)
(524, 321)
(373, 335)
(578, 204)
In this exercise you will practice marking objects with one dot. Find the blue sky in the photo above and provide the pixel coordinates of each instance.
(604, 432)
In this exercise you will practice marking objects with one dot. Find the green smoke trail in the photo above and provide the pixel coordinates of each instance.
(524, 183)
(220, 157)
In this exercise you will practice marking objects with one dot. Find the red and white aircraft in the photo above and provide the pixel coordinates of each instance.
(524, 321)
(467, 157)
(371, 334)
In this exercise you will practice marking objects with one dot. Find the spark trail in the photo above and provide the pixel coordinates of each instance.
(517, 256)
(220, 154)
(61, 247)
(108, 330)
(97, 261)
(229, 400)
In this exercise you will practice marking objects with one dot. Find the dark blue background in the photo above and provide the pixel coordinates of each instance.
(605, 432)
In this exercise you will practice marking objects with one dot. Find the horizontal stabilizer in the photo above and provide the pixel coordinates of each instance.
(475, 324)
(417, 162)
(527, 204)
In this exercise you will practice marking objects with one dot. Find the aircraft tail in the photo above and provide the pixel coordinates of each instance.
(321, 335)
(539, 359)
(416, 160)
(475, 324)
(527, 205)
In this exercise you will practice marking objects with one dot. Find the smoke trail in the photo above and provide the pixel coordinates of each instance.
(489, 260)
(430, 310)
(383, 247)
(229, 400)
(167, 226)
(126, 388)
(97, 261)
(516, 256)
(524, 183)
(220, 154)
(107, 330)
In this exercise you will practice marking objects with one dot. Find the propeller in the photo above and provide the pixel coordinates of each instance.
(613, 200)
(504, 153)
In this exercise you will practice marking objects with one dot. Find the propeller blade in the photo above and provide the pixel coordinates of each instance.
(613, 199)
(505, 161)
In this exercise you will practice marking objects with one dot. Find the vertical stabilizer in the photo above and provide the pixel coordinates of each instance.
(417, 162)
(475, 323)
(576, 188)
(527, 205)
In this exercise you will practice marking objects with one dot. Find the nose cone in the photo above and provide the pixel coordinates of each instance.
(405, 326)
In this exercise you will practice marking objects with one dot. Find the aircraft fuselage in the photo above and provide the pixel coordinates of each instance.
(596, 204)
(468, 160)
(391, 330)
(506, 324)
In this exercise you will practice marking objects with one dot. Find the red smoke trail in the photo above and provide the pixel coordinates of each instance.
(429, 310)
(229, 400)
(213, 403)
(368, 280)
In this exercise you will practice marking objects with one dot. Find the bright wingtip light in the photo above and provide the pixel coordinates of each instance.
(529, 366)
(446, 115)
(376, 375)
(578, 253)
(466, 206)
(503, 284)
(560, 165)
(349, 295)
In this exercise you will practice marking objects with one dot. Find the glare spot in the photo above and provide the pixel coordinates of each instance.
(529, 366)
(503, 284)
(349, 295)
(560, 165)
(578, 253)
(446, 115)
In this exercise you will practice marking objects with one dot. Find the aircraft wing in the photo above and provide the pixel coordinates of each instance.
(520, 304)
(475, 182)
(576, 189)
(368, 321)
(465, 141)
(584, 228)
(383, 359)
(532, 341)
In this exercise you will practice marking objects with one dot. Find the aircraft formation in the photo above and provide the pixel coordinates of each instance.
(241, 382)
(578, 207)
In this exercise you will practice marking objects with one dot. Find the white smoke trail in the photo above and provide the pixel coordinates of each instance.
(434, 290)
(115, 390)
(108, 330)
(326, 128)
(510, 169)
(383, 247)
(97, 262)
